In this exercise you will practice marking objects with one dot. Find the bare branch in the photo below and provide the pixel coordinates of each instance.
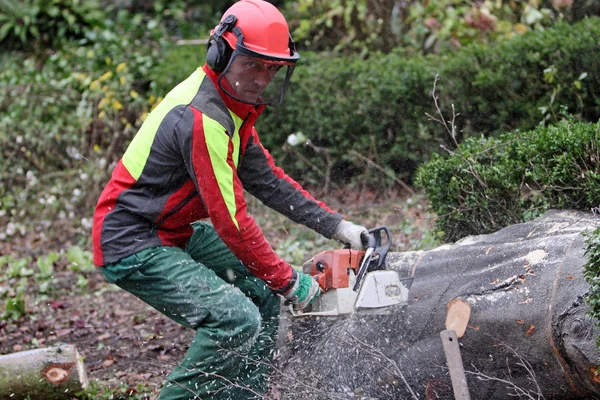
(378, 353)
(518, 391)
(451, 129)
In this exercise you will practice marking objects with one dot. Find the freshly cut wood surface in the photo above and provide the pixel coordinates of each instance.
(458, 315)
(50, 373)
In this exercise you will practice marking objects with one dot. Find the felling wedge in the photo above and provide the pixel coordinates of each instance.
(353, 280)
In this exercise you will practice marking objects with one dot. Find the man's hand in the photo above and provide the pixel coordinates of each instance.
(304, 292)
(354, 235)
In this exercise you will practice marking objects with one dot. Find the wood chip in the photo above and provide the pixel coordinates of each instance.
(530, 330)
(107, 363)
(104, 336)
(63, 332)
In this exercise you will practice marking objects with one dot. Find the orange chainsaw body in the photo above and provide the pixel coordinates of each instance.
(332, 268)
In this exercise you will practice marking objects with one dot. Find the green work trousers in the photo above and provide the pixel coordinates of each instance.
(206, 288)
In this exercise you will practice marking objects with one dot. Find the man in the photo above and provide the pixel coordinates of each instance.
(192, 159)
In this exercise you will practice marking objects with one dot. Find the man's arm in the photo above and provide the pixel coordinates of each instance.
(272, 186)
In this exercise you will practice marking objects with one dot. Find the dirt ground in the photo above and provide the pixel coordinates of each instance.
(124, 342)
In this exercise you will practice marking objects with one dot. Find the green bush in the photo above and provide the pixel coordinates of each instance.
(351, 110)
(364, 121)
(40, 23)
(177, 64)
(489, 183)
(362, 26)
(376, 108)
(592, 274)
(65, 120)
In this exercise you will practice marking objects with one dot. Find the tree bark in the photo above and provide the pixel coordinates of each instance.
(48, 373)
(528, 333)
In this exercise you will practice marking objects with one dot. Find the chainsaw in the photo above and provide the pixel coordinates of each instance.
(353, 280)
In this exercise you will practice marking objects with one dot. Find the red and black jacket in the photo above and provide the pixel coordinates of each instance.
(193, 158)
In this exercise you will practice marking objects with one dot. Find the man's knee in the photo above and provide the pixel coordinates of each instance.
(233, 321)
(244, 325)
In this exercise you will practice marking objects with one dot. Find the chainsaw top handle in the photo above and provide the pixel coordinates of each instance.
(376, 240)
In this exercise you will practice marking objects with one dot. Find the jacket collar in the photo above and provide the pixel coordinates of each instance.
(242, 110)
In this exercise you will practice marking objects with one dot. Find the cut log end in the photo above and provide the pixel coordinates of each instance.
(57, 374)
(46, 373)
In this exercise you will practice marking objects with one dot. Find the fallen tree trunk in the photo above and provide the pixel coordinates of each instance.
(48, 373)
(529, 334)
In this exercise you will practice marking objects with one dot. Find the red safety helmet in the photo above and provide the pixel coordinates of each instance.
(256, 29)
(265, 30)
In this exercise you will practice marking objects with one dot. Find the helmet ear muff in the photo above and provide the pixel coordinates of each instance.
(218, 51)
(218, 54)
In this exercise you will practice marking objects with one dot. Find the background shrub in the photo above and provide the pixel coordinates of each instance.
(376, 108)
(345, 110)
(592, 275)
(489, 183)
(177, 63)
(66, 118)
(359, 26)
(353, 122)
(37, 24)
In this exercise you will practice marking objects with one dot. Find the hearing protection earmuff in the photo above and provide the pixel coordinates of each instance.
(218, 51)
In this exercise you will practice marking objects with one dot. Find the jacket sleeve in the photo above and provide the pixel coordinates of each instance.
(269, 183)
(209, 154)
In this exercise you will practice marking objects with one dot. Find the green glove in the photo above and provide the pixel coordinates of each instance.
(304, 291)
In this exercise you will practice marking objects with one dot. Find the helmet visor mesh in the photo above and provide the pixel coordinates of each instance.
(255, 80)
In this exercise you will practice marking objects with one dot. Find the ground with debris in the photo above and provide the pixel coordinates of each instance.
(125, 342)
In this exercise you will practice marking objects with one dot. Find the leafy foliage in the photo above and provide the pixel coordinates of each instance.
(443, 24)
(354, 26)
(592, 274)
(487, 184)
(15, 271)
(87, 99)
(65, 120)
(41, 23)
(365, 26)
(177, 64)
(348, 110)
(97, 392)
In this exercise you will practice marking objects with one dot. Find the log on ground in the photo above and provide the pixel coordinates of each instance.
(49, 373)
(528, 334)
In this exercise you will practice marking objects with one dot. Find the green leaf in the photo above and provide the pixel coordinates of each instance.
(79, 259)
(46, 264)
(14, 308)
(10, 7)
(82, 282)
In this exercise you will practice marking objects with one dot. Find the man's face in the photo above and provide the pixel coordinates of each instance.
(249, 77)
